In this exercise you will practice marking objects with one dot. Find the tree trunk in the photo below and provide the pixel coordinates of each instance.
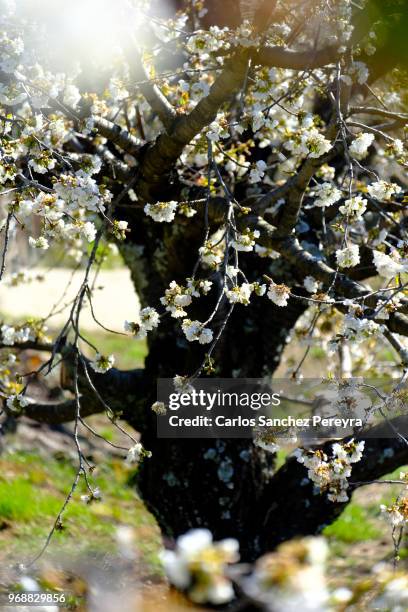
(206, 483)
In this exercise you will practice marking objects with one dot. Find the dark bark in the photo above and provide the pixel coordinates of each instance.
(191, 483)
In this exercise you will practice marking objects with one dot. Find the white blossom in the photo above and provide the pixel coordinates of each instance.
(360, 145)
(258, 172)
(327, 194)
(194, 330)
(182, 384)
(102, 363)
(135, 453)
(240, 294)
(316, 144)
(354, 207)
(8, 334)
(81, 191)
(387, 266)
(330, 474)
(259, 289)
(161, 211)
(217, 130)
(381, 190)
(176, 298)
(71, 96)
(197, 287)
(278, 294)
(211, 254)
(89, 231)
(310, 284)
(348, 257)
(266, 252)
(246, 241)
(393, 595)
(16, 403)
(42, 164)
(359, 73)
(310, 142)
(40, 243)
(148, 320)
(397, 513)
(291, 578)
(94, 494)
(198, 564)
(359, 329)
(159, 408)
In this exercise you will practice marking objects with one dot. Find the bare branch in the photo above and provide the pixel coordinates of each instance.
(120, 389)
(119, 170)
(281, 57)
(379, 112)
(370, 128)
(115, 134)
(33, 345)
(264, 15)
(62, 412)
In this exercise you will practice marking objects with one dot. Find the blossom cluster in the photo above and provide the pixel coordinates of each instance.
(194, 330)
(397, 512)
(291, 578)
(177, 297)
(197, 566)
(241, 294)
(330, 474)
(147, 321)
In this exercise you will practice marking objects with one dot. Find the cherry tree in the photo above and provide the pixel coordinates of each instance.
(248, 160)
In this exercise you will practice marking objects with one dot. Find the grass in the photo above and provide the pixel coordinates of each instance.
(19, 501)
(361, 520)
(129, 353)
(361, 537)
(32, 491)
(354, 525)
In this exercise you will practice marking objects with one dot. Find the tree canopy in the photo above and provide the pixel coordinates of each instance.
(245, 157)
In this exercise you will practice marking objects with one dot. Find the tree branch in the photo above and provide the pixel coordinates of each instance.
(119, 170)
(379, 112)
(62, 412)
(264, 14)
(113, 132)
(162, 156)
(33, 345)
(118, 389)
(281, 57)
(116, 135)
(294, 189)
